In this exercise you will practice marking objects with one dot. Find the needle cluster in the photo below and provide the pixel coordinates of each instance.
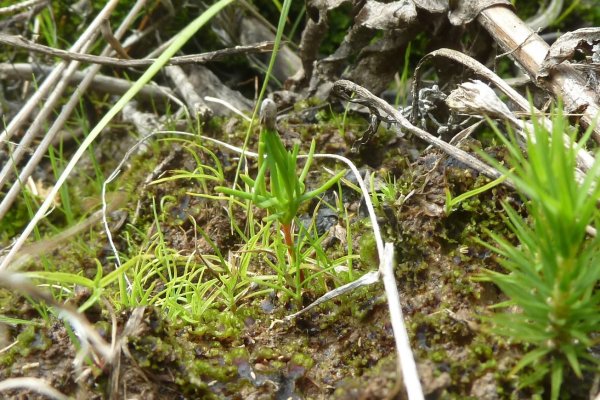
(553, 270)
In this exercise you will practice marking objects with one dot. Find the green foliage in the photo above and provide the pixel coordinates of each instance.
(285, 194)
(553, 270)
(186, 287)
(287, 191)
(452, 202)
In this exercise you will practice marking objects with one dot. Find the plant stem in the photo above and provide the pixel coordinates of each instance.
(289, 241)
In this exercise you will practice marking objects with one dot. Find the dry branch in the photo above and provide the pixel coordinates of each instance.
(22, 5)
(21, 42)
(100, 83)
(357, 94)
(114, 42)
(196, 105)
(529, 50)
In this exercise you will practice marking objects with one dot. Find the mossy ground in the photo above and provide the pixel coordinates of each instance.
(343, 349)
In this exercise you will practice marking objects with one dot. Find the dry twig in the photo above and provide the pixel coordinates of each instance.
(22, 5)
(22, 43)
(384, 111)
(99, 83)
(530, 50)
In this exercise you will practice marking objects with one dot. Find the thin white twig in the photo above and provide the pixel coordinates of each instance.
(406, 359)
(367, 279)
(227, 105)
(34, 384)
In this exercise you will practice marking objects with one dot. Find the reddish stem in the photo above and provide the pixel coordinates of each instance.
(289, 241)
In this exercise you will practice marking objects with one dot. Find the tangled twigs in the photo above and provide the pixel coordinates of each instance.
(473, 65)
(585, 159)
(530, 51)
(357, 94)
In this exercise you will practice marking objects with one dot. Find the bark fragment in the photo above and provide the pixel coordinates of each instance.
(564, 49)
(395, 15)
(464, 11)
(433, 6)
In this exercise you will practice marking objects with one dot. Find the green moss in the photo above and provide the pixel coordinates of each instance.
(7, 359)
(210, 370)
(236, 353)
(303, 360)
(30, 340)
(14, 221)
(265, 353)
(219, 325)
(438, 356)
(368, 250)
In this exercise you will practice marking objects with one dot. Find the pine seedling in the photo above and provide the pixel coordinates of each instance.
(553, 270)
(286, 190)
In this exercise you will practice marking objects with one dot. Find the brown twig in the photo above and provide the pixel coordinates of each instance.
(21, 42)
(352, 92)
(530, 50)
(107, 34)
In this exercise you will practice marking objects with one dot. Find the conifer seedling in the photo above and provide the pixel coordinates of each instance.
(552, 273)
(277, 187)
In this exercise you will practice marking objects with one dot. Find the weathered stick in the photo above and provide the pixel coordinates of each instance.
(357, 94)
(100, 83)
(22, 43)
(529, 50)
(196, 105)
